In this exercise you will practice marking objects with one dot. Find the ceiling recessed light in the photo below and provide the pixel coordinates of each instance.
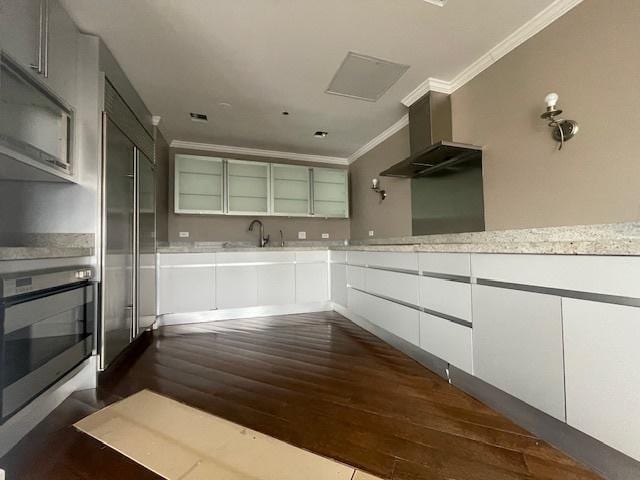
(225, 105)
(199, 117)
(439, 3)
(320, 134)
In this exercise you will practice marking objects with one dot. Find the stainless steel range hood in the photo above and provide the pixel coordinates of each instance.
(432, 148)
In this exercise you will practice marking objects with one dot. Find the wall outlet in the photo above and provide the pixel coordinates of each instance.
(325, 235)
(302, 235)
(371, 233)
(184, 234)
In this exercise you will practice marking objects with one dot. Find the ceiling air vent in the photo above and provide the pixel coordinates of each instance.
(199, 117)
(364, 77)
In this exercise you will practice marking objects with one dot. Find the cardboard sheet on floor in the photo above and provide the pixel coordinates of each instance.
(179, 442)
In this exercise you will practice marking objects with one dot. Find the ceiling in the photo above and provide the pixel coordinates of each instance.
(268, 56)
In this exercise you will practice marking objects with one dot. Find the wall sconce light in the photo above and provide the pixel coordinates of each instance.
(375, 186)
(563, 130)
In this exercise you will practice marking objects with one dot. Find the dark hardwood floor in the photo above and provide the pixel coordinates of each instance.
(316, 381)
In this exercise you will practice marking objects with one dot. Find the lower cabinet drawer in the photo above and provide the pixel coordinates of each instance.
(399, 286)
(356, 277)
(404, 322)
(445, 296)
(447, 340)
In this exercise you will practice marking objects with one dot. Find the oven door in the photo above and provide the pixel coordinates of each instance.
(45, 336)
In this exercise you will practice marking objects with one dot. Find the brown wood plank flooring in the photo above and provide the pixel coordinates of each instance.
(316, 381)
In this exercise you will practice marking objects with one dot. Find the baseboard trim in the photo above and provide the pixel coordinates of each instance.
(80, 378)
(245, 312)
(592, 453)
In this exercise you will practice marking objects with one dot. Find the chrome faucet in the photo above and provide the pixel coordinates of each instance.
(263, 240)
(281, 239)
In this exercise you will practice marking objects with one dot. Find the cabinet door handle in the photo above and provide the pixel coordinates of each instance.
(38, 66)
(45, 41)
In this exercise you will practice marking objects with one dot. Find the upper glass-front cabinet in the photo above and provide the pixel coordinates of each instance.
(35, 126)
(248, 187)
(211, 185)
(199, 184)
(330, 192)
(291, 193)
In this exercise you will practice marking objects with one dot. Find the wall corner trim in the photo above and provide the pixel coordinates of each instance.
(396, 127)
(302, 157)
(542, 20)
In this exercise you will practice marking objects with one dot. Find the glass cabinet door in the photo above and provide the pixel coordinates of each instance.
(198, 184)
(330, 192)
(248, 187)
(290, 187)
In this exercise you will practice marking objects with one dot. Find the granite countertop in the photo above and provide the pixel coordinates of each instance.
(213, 247)
(35, 246)
(607, 239)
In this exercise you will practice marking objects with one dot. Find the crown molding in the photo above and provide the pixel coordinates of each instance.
(256, 152)
(542, 20)
(399, 125)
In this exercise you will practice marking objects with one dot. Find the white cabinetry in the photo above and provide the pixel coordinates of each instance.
(602, 358)
(517, 344)
(248, 187)
(23, 35)
(236, 286)
(20, 30)
(62, 53)
(338, 280)
(312, 277)
(187, 282)
(330, 192)
(447, 340)
(198, 184)
(290, 187)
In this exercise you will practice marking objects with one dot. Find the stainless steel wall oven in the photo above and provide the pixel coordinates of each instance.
(47, 321)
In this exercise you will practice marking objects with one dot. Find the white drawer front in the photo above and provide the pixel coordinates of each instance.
(446, 263)
(255, 257)
(356, 277)
(171, 259)
(446, 340)
(606, 274)
(338, 256)
(602, 375)
(339, 284)
(404, 322)
(393, 260)
(445, 296)
(399, 286)
(313, 256)
(517, 345)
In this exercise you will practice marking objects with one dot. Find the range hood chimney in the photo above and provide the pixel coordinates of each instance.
(432, 148)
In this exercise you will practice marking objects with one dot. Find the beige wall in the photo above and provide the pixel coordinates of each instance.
(590, 57)
(226, 227)
(162, 188)
(391, 217)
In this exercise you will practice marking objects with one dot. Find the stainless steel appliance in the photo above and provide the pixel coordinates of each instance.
(47, 321)
(446, 176)
(128, 228)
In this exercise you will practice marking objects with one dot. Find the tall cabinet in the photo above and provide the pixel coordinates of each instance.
(128, 228)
